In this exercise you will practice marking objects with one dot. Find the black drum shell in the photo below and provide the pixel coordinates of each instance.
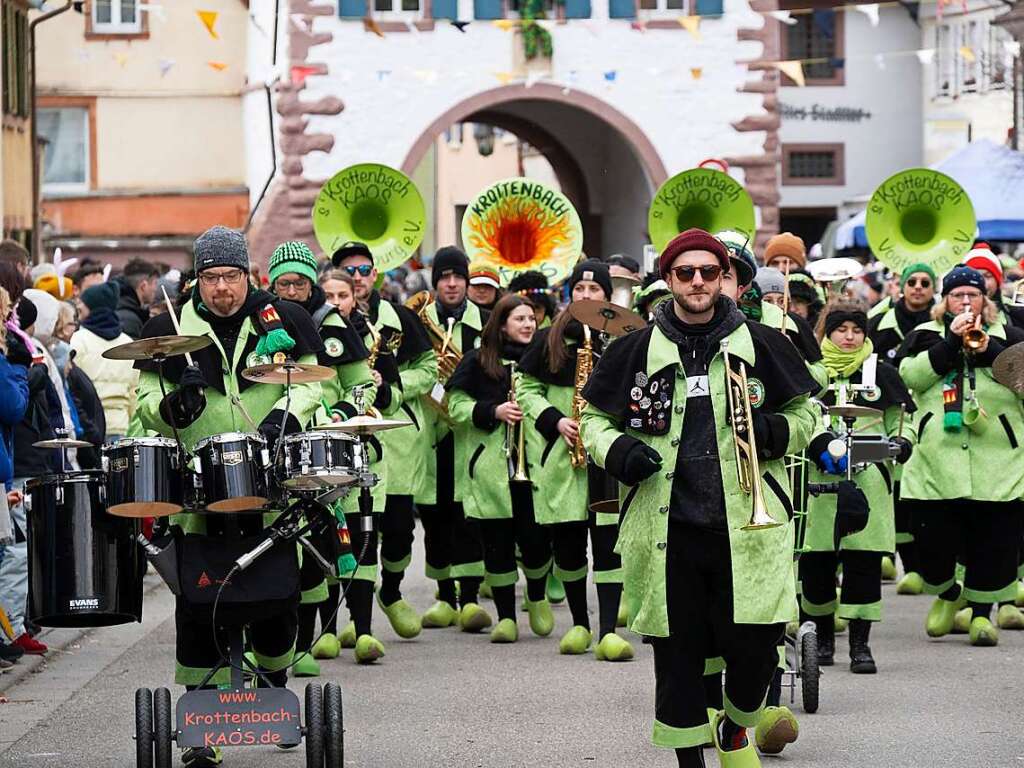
(85, 567)
(314, 460)
(152, 486)
(233, 474)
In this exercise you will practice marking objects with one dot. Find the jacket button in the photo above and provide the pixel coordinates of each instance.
(669, 475)
(662, 545)
(663, 510)
(964, 446)
(678, 409)
(675, 442)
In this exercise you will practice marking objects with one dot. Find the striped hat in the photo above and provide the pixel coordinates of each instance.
(293, 256)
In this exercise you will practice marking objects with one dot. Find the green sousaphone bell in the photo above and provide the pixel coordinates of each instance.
(702, 198)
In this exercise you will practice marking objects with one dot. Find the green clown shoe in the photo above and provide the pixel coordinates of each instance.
(888, 569)
(486, 591)
(306, 666)
(327, 647)
(910, 584)
(347, 638)
(962, 622)
(839, 624)
(1010, 617)
(507, 631)
(368, 649)
(440, 615)
(745, 757)
(473, 618)
(1020, 594)
(542, 620)
(555, 590)
(575, 642)
(403, 618)
(983, 634)
(613, 648)
(776, 728)
(942, 615)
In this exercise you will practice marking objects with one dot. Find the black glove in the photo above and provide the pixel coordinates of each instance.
(17, 352)
(185, 404)
(851, 511)
(382, 400)
(641, 462)
(905, 449)
(271, 429)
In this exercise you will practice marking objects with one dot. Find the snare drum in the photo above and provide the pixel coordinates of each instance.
(233, 472)
(313, 461)
(144, 477)
(85, 567)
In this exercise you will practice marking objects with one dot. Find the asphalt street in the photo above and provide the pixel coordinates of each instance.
(453, 699)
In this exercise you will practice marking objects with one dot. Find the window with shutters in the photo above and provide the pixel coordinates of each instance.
(396, 9)
(15, 63)
(116, 17)
(661, 9)
(816, 39)
(813, 165)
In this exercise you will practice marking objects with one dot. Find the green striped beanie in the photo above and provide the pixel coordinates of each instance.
(293, 256)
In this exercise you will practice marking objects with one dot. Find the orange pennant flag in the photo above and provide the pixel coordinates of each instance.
(696, 72)
(220, 66)
(691, 24)
(209, 19)
(967, 54)
(504, 77)
(503, 24)
(371, 25)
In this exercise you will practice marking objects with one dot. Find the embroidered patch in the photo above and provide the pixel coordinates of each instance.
(635, 423)
(253, 360)
(645, 403)
(334, 347)
(641, 379)
(697, 386)
(755, 391)
(636, 393)
(650, 401)
(872, 395)
(891, 353)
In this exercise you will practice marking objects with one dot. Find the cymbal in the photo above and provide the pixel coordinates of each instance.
(364, 425)
(62, 442)
(606, 317)
(284, 373)
(852, 411)
(1008, 368)
(157, 347)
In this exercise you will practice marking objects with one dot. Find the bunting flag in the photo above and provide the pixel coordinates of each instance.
(783, 16)
(504, 77)
(871, 11)
(209, 20)
(794, 70)
(691, 24)
(503, 24)
(300, 72)
(460, 25)
(638, 26)
(967, 54)
(611, 76)
(696, 72)
(165, 66)
(383, 74)
(121, 59)
(220, 66)
(371, 25)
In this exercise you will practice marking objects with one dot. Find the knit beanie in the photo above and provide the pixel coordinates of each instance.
(26, 312)
(770, 280)
(293, 256)
(838, 316)
(59, 287)
(915, 268)
(962, 276)
(104, 295)
(449, 259)
(693, 240)
(981, 258)
(740, 255)
(592, 269)
(786, 244)
(221, 247)
(803, 287)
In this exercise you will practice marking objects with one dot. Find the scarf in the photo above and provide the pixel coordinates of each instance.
(359, 323)
(750, 303)
(512, 350)
(907, 320)
(841, 364)
(104, 322)
(317, 298)
(443, 312)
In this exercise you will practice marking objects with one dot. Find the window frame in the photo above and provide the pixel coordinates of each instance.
(15, 102)
(117, 31)
(62, 189)
(397, 15)
(839, 36)
(838, 178)
(662, 12)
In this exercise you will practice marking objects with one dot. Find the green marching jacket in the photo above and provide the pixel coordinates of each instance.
(979, 461)
(876, 480)
(762, 560)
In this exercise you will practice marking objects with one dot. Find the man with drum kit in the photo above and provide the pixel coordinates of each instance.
(207, 398)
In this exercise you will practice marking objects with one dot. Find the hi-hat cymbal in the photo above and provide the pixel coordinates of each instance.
(606, 317)
(285, 373)
(1008, 368)
(852, 411)
(364, 425)
(156, 347)
(62, 442)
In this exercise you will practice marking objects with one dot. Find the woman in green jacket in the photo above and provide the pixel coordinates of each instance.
(842, 329)
(965, 480)
(488, 420)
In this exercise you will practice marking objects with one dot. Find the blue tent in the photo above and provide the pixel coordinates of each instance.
(992, 176)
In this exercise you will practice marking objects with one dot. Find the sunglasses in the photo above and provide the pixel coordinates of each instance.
(924, 282)
(708, 273)
(364, 270)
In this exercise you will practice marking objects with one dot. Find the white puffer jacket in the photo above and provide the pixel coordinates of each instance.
(116, 381)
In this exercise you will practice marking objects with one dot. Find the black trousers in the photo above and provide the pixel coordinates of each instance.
(905, 544)
(397, 526)
(861, 593)
(699, 594)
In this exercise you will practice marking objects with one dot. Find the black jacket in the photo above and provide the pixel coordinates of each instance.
(30, 461)
(133, 316)
(90, 416)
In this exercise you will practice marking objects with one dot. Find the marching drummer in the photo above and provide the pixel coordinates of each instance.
(248, 327)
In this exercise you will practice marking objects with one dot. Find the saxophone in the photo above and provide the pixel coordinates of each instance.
(584, 366)
(448, 357)
(393, 344)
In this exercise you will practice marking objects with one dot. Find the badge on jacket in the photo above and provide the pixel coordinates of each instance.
(650, 403)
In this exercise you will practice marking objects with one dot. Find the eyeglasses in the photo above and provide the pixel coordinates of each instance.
(230, 278)
(708, 273)
(924, 282)
(364, 270)
(965, 296)
(287, 285)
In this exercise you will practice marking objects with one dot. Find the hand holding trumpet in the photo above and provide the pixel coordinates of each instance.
(967, 325)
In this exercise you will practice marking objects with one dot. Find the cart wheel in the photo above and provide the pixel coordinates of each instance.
(809, 671)
(143, 728)
(162, 728)
(334, 727)
(314, 726)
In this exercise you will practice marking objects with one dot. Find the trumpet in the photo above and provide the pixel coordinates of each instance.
(748, 468)
(974, 337)
(515, 435)
(584, 367)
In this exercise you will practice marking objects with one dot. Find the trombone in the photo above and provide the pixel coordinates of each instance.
(748, 468)
(515, 435)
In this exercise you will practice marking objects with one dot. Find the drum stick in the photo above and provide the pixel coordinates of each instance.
(174, 321)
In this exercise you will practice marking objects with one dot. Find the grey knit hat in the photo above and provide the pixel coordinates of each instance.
(221, 247)
(770, 280)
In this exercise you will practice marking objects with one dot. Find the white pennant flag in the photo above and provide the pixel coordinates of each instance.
(871, 11)
(783, 16)
(926, 55)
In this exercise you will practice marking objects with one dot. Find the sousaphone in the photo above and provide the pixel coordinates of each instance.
(704, 198)
(373, 204)
(920, 215)
(520, 224)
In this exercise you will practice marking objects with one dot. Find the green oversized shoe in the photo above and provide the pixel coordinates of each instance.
(403, 617)
(306, 666)
(613, 648)
(839, 624)
(368, 649)
(542, 620)
(440, 615)
(473, 618)
(347, 638)
(486, 591)
(623, 618)
(962, 622)
(745, 757)
(941, 616)
(575, 642)
(555, 590)
(910, 584)
(776, 728)
(1020, 594)
(327, 647)
(983, 634)
(1009, 617)
(507, 631)
(888, 569)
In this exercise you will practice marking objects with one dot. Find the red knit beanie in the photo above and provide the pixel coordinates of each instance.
(693, 240)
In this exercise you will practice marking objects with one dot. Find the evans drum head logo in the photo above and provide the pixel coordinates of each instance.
(84, 604)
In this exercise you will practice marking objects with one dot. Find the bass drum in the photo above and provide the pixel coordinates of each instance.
(85, 567)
